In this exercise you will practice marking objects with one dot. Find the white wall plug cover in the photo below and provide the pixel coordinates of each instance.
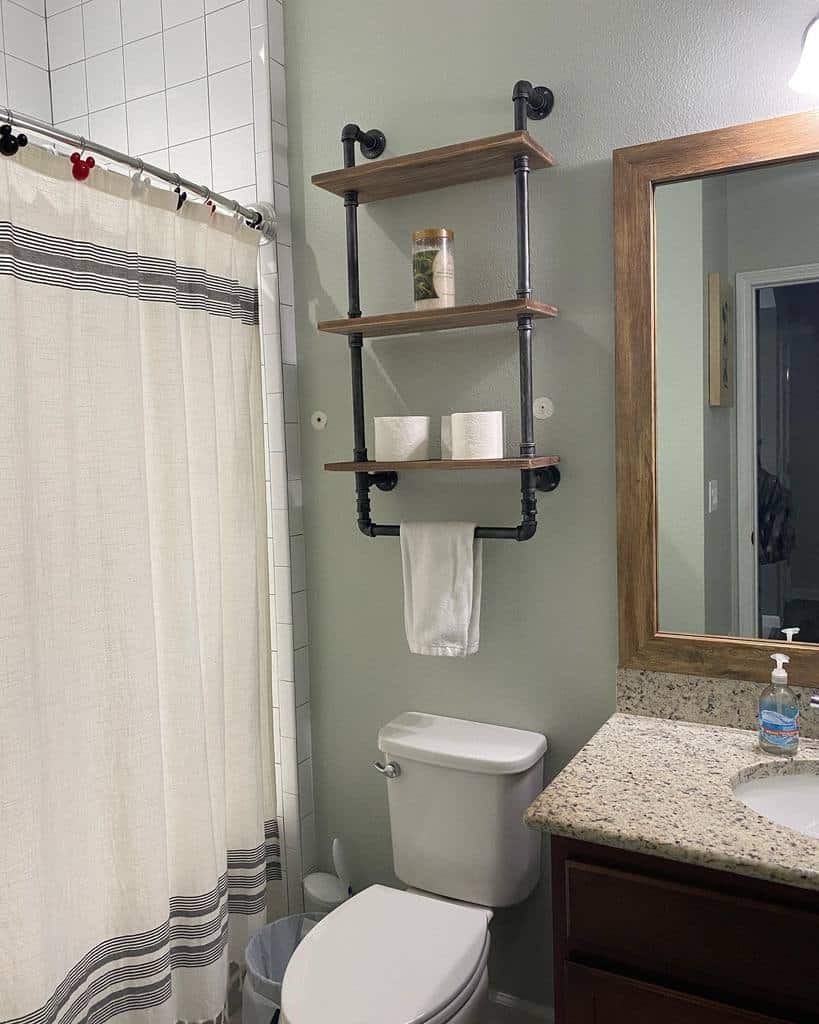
(319, 420)
(543, 408)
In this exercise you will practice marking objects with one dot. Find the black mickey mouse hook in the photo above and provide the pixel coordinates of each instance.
(9, 143)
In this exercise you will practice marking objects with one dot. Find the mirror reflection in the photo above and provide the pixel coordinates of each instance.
(737, 351)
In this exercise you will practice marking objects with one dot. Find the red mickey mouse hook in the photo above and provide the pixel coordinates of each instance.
(80, 167)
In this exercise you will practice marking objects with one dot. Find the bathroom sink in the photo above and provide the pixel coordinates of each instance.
(791, 798)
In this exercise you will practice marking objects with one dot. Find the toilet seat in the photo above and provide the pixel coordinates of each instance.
(387, 957)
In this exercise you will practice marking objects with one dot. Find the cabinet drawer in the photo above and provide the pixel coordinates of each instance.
(598, 997)
(692, 937)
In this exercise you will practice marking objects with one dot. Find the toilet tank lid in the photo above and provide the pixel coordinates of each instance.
(457, 743)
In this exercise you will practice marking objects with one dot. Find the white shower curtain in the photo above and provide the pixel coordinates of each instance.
(138, 847)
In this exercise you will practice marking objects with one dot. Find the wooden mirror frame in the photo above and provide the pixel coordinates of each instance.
(637, 170)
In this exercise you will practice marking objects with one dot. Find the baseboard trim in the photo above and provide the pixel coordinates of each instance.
(514, 1009)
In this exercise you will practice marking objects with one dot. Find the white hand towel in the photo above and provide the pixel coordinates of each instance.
(442, 588)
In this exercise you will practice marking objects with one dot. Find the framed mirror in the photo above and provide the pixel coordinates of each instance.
(717, 378)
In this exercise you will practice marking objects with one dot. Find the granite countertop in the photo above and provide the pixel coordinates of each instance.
(661, 787)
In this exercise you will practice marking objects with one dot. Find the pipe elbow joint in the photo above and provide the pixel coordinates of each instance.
(527, 530)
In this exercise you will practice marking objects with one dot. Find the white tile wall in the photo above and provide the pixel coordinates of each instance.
(24, 81)
(199, 86)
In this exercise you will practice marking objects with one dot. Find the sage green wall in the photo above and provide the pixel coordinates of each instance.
(430, 73)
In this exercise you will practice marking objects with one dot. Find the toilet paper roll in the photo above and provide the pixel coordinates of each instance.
(401, 438)
(477, 435)
(446, 437)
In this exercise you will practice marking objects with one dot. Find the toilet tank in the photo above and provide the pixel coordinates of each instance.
(456, 808)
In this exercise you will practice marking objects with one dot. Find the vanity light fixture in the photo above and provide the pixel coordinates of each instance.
(806, 77)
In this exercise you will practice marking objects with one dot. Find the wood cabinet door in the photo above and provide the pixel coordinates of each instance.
(598, 997)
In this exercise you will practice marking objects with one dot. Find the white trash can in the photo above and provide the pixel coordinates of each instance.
(266, 957)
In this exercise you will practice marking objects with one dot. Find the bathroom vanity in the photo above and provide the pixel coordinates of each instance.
(673, 901)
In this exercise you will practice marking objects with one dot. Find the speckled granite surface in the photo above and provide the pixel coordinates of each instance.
(729, 702)
(664, 788)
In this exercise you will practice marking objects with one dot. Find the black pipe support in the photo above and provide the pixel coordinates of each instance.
(372, 143)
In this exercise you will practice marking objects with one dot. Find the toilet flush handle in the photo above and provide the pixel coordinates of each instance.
(390, 770)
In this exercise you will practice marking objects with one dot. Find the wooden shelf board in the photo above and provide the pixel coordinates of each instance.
(475, 160)
(537, 462)
(414, 321)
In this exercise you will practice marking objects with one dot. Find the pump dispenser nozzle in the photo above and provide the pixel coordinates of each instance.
(790, 632)
(779, 675)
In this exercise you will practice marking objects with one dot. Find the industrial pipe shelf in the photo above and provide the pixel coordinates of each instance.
(420, 172)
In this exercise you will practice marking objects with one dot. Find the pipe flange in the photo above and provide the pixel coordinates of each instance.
(547, 479)
(373, 143)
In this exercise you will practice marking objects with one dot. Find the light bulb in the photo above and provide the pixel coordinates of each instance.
(806, 77)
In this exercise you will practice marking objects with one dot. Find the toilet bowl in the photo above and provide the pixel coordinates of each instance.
(388, 956)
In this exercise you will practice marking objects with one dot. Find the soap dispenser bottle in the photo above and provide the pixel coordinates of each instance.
(779, 713)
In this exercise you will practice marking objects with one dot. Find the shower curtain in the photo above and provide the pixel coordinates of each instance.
(138, 848)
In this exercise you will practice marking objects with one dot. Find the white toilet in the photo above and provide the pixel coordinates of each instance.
(457, 793)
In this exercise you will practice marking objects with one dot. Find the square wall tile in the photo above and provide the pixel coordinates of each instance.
(281, 201)
(288, 328)
(192, 160)
(102, 25)
(144, 67)
(309, 857)
(140, 18)
(159, 158)
(287, 708)
(231, 99)
(275, 30)
(76, 125)
(29, 90)
(245, 195)
(300, 632)
(298, 561)
(106, 80)
(234, 161)
(25, 34)
(284, 599)
(4, 96)
(281, 536)
(278, 93)
(37, 6)
(58, 6)
(188, 113)
(285, 261)
(291, 393)
(69, 98)
(292, 822)
(228, 37)
(280, 171)
(284, 633)
(293, 451)
(290, 766)
(110, 127)
(304, 742)
(185, 53)
(306, 799)
(264, 171)
(66, 43)
(301, 665)
(147, 124)
(295, 497)
(258, 13)
(174, 12)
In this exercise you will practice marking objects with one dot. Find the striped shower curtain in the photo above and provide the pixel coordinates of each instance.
(138, 846)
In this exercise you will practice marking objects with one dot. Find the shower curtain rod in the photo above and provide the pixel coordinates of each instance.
(256, 219)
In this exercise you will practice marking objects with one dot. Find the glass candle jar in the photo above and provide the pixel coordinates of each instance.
(433, 268)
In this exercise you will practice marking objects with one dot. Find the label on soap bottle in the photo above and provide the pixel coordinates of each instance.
(780, 730)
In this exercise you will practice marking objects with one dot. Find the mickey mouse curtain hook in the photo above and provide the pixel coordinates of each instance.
(180, 195)
(10, 143)
(81, 166)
